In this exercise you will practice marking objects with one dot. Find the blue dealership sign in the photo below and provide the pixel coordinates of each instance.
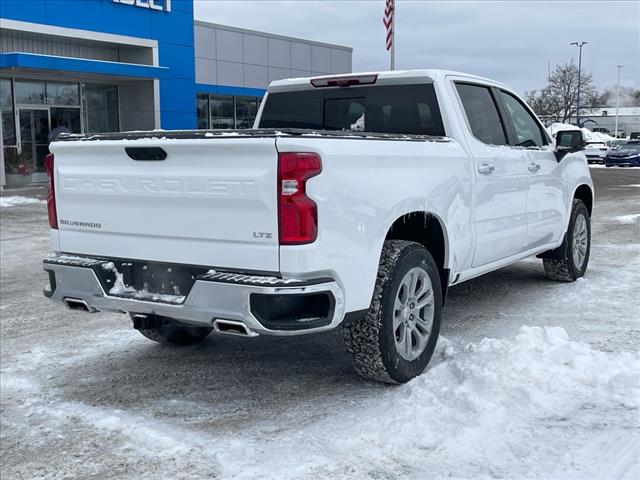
(169, 22)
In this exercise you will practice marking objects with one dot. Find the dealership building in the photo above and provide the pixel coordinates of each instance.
(117, 65)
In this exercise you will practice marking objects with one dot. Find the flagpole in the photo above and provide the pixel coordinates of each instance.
(389, 21)
(393, 38)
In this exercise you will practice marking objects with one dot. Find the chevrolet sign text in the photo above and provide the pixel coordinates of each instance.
(150, 4)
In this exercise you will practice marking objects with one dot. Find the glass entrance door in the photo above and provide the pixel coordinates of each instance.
(34, 130)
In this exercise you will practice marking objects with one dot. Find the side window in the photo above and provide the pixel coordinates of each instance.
(482, 114)
(527, 130)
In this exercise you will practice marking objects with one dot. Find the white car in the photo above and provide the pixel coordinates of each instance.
(356, 201)
(596, 152)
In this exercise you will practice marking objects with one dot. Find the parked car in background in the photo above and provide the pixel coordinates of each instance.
(626, 155)
(595, 152)
(601, 130)
(634, 136)
(616, 143)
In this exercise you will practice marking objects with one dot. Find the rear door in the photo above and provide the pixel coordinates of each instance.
(210, 202)
(546, 205)
(501, 177)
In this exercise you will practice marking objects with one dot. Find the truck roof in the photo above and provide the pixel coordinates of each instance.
(384, 77)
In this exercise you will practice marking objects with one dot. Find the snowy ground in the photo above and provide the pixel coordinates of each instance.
(15, 201)
(531, 379)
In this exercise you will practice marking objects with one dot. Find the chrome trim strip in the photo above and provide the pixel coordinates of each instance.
(207, 301)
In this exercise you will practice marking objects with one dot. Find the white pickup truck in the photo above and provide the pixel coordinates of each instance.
(356, 201)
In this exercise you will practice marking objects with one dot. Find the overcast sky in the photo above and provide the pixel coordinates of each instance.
(508, 41)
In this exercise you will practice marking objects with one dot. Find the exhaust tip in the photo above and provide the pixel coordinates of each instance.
(77, 304)
(233, 327)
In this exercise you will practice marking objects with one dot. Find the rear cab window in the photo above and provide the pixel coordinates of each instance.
(401, 109)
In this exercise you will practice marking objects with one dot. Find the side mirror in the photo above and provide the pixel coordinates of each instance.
(569, 141)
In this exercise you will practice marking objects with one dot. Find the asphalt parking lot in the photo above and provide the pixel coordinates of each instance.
(85, 396)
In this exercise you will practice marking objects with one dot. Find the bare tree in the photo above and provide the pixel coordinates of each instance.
(629, 97)
(558, 100)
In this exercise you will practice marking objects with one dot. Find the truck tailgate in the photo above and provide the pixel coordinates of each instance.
(210, 202)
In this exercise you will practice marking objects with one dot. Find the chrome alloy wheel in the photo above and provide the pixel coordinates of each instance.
(413, 312)
(580, 241)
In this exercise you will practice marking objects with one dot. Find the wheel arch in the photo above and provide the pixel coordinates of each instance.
(584, 193)
(429, 230)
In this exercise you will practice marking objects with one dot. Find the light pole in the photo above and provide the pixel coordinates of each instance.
(579, 45)
(618, 98)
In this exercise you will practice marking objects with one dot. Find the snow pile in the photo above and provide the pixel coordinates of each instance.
(629, 219)
(16, 201)
(589, 136)
(597, 136)
(498, 405)
(535, 406)
(556, 127)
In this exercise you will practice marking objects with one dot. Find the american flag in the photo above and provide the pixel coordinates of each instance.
(388, 22)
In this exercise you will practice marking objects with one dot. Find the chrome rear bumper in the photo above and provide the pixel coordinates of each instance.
(214, 296)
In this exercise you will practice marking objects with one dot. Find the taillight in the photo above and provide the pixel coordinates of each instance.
(297, 213)
(51, 194)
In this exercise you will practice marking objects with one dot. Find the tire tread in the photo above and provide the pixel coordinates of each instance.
(362, 337)
(561, 270)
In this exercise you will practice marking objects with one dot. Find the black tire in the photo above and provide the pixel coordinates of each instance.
(371, 341)
(565, 268)
(169, 331)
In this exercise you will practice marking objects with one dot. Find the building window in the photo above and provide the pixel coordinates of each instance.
(225, 111)
(9, 140)
(100, 105)
(62, 94)
(221, 111)
(6, 107)
(202, 111)
(47, 93)
(32, 93)
(246, 111)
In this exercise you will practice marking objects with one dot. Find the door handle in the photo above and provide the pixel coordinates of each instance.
(486, 168)
(534, 167)
(146, 153)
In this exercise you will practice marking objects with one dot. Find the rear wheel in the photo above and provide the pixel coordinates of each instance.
(575, 259)
(395, 340)
(168, 330)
